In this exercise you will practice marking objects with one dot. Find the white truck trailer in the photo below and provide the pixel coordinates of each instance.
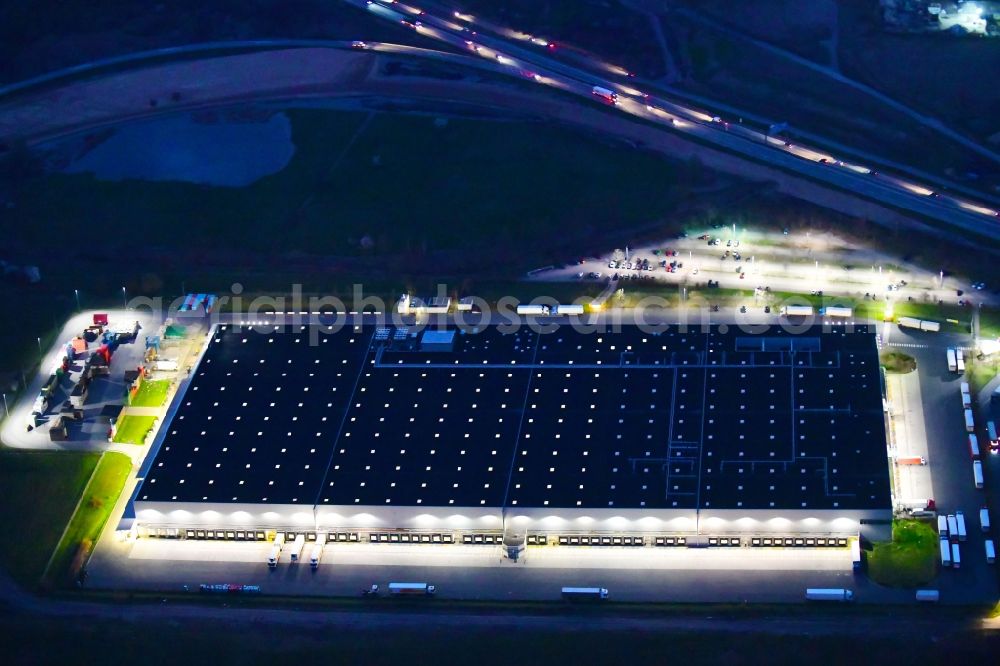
(945, 552)
(942, 524)
(952, 360)
(960, 521)
(959, 362)
(568, 309)
(977, 473)
(952, 526)
(596, 593)
(274, 556)
(295, 550)
(829, 594)
(928, 596)
(836, 311)
(796, 311)
(970, 421)
(411, 589)
(984, 519)
(532, 309)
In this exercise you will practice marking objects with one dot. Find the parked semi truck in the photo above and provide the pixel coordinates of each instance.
(952, 360)
(970, 421)
(973, 446)
(829, 594)
(836, 311)
(977, 473)
(274, 556)
(608, 96)
(911, 460)
(960, 362)
(984, 519)
(919, 324)
(596, 593)
(411, 589)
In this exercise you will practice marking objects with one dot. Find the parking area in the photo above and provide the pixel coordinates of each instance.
(732, 257)
(949, 463)
(481, 572)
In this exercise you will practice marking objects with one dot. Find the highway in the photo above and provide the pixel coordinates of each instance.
(530, 58)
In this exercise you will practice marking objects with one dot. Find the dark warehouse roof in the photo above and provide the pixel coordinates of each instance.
(627, 419)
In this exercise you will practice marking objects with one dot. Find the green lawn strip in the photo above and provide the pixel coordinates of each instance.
(40, 490)
(133, 429)
(909, 560)
(151, 393)
(96, 504)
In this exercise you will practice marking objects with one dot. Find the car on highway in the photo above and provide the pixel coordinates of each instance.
(357, 44)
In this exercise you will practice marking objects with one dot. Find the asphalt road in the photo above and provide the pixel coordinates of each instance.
(532, 61)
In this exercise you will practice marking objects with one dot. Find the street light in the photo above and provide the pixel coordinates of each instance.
(124, 299)
(76, 292)
(39, 347)
(6, 411)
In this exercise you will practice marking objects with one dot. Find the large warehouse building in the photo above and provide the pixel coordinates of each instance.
(382, 433)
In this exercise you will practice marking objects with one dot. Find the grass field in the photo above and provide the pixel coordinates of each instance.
(151, 393)
(39, 491)
(92, 513)
(406, 185)
(909, 560)
(133, 429)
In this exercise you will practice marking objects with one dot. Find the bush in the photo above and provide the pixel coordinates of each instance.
(898, 362)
